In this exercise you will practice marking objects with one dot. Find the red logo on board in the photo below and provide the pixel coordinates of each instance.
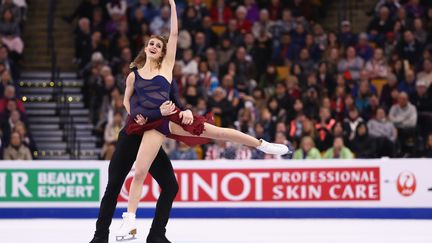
(406, 183)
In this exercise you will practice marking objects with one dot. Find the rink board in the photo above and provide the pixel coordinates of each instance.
(381, 188)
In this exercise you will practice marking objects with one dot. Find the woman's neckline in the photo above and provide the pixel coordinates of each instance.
(140, 76)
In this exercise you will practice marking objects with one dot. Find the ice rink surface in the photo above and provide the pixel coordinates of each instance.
(228, 231)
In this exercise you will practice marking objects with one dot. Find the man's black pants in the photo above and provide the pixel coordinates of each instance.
(120, 165)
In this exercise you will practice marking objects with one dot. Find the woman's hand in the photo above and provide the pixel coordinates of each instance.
(171, 2)
(140, 120)
(186, 116)
(167, 108)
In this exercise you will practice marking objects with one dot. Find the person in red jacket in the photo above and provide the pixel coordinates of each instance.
(9, 94)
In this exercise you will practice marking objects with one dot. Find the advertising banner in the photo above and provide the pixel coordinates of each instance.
(227, 187)
(45, 185)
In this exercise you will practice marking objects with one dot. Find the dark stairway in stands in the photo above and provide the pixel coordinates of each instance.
(58, 120)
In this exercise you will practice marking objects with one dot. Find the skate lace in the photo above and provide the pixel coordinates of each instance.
(126, 219)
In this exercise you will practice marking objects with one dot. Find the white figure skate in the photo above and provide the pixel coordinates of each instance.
(128, 229)
(274, 148)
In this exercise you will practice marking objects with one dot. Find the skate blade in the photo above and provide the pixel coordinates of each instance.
(131, 236)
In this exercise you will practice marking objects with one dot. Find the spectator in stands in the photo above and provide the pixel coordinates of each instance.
(183, 152)
(307, 150)
(85, 10)
(284, 25)
(9, 94)
(26, 137)
(403, 114)
(105, 100)
(352, 64)
(244, 25)
(252, 10)
(10, 32)
(414, 9)
(161, 24)
(370, 110)
(245, 122)
(363, 145)
(381, 25)
(389, 92)
(338, 131)
(419, 32)
(245, 69)
(199, 45)
(409, 48)
(285, 49)
(404, 117)
(112, 130)
(351, 123)
(207, 79)
(363, 48)
(311, 102)
(117, 62)
(278, 113)
(422, 100)
(4, 82)
(116, 7)
(292, 87)
(346, 37)
(14, 8)
(10, 108)
(260, 132)
(83, 42)
(211, 38)
(380, 126)
(362, 92)
(306, 62)
(426, 73)
(264, 25)
(324, 129)
(384, 133)
(98, 20)
(338, 151)
(190, 20)
(16, 150)
(408, 85)
(188, 64)
(8, 62)
(220, 12)
(221, 107)
(146, 7)
(377, 66)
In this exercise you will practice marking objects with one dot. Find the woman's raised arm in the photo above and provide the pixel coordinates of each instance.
(172, 41)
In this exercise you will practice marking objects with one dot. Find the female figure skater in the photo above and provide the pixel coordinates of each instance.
(151, 83)
(120, 165)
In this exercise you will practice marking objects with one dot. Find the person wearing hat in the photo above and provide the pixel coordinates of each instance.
(422, 97)
(346, 36)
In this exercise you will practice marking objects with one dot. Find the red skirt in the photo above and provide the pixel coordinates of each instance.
(195, 129)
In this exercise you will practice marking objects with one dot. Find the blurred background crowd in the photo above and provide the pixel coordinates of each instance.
(269, 68)
(15, 141)
(266, 67)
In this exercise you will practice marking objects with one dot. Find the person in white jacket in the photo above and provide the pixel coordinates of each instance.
(403, 114)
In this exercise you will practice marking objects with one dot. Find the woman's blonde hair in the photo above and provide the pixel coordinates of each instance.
(140, 59)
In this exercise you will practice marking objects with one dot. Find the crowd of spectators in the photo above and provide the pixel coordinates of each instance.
(15, 139)
(270, 69)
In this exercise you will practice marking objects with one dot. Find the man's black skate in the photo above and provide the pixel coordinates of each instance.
(157, 236)
(99, 240)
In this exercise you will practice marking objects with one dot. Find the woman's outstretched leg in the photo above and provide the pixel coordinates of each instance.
(149, 147)
(229, 134)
